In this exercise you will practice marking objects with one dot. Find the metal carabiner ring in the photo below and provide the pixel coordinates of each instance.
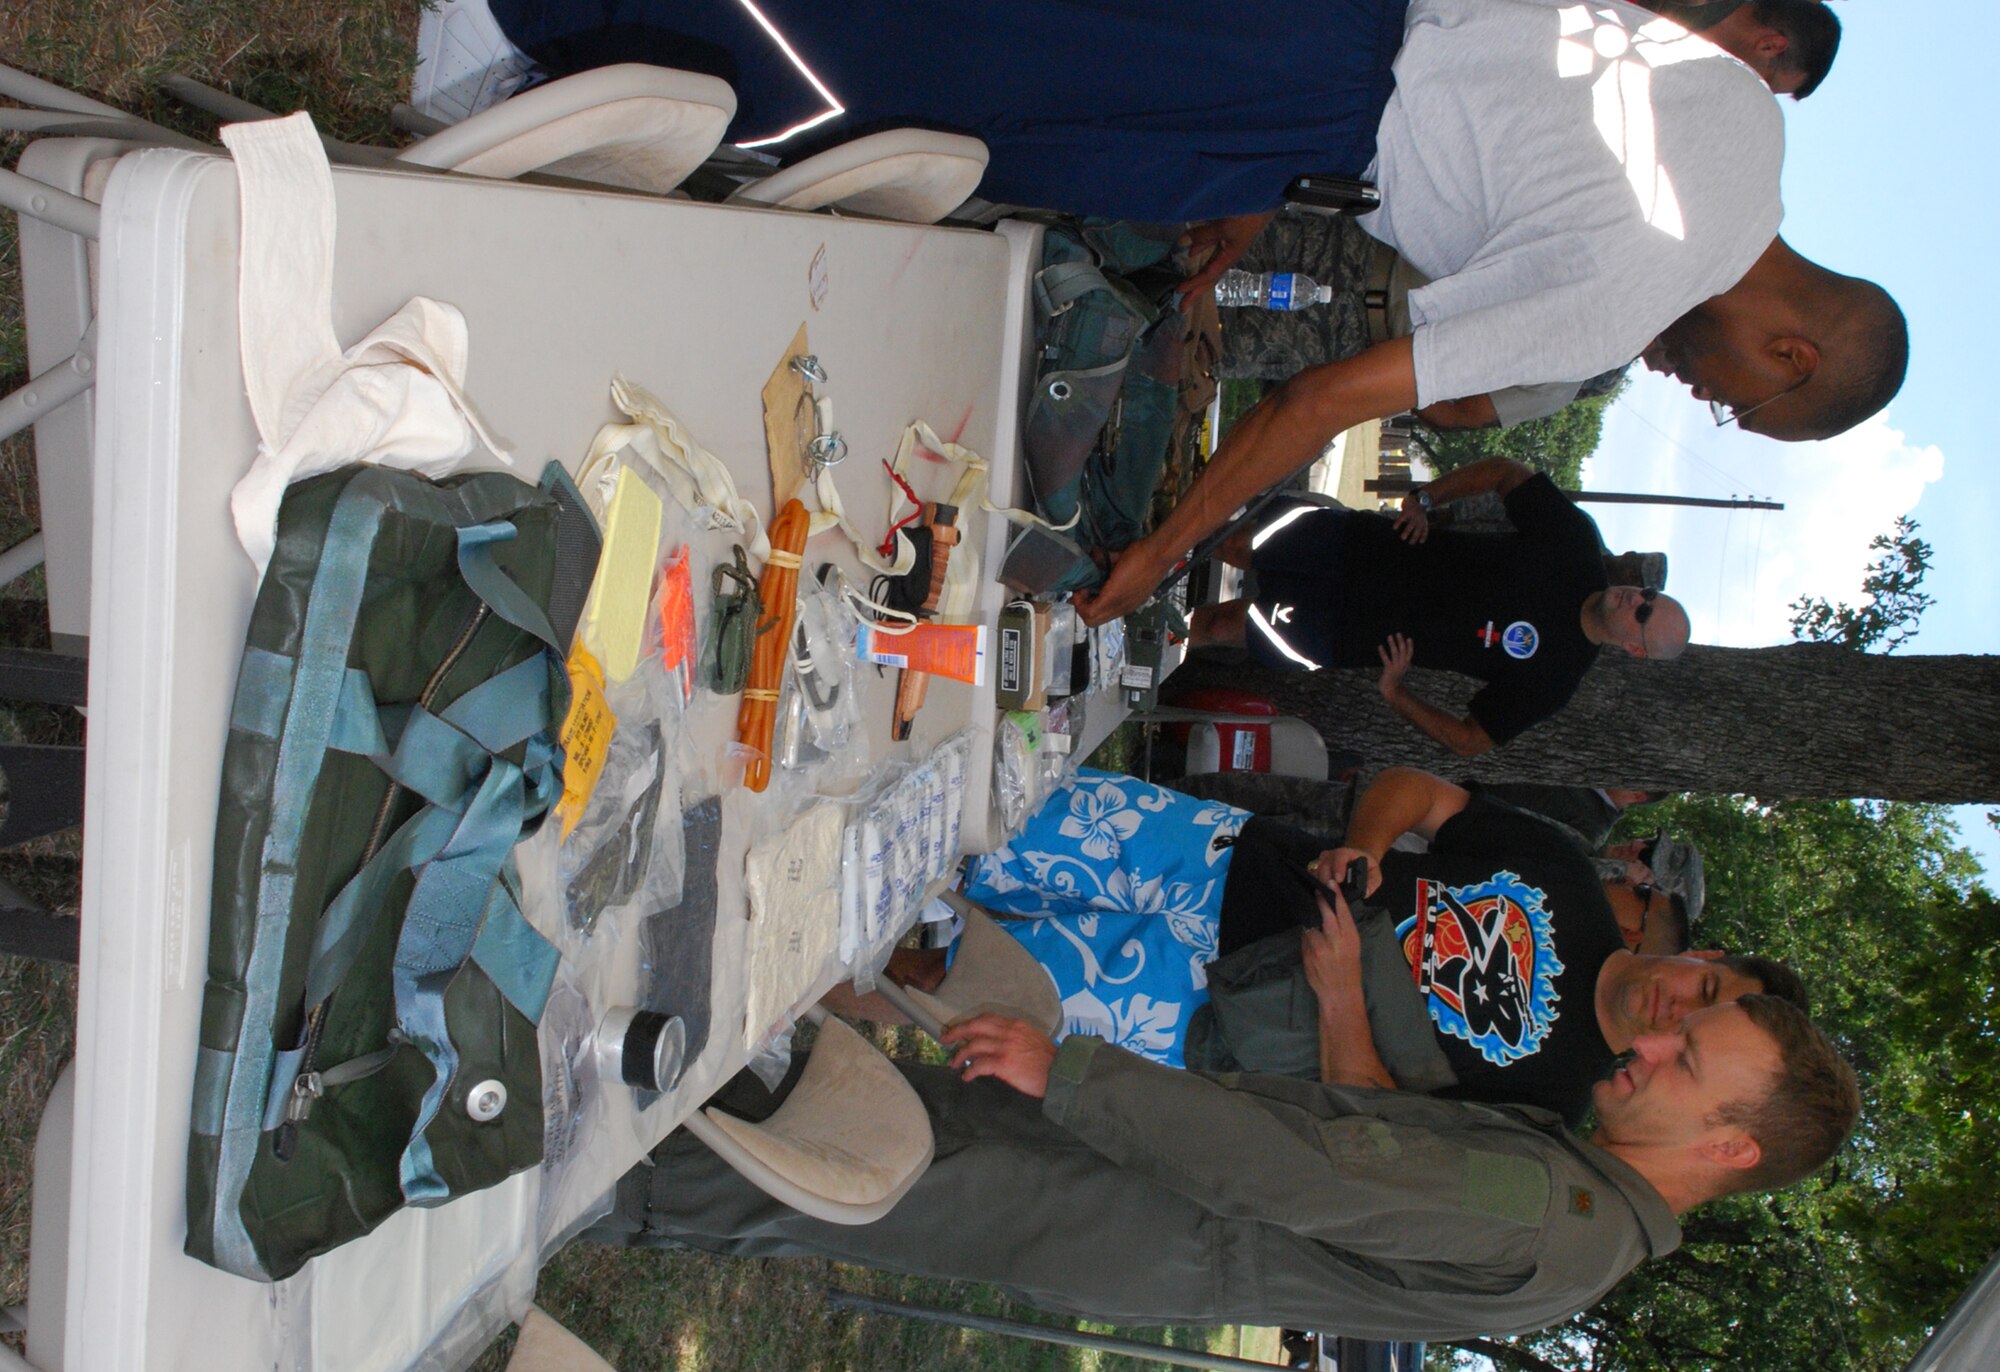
(826, 450)
(807, 365)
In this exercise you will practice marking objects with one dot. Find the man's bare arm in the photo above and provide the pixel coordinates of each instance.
(1463, 736)
(1473, 412)
(1285, 432)
(1217, 245)
(1332, 956)
(1401, 801)
(1500, 475)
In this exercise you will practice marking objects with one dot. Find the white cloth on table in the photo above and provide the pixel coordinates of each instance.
(396, 397)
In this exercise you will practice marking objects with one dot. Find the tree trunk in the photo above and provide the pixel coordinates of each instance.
(1802, 720)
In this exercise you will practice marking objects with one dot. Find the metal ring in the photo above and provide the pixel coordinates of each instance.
(807, 365)
(1059, 390)
(826, 450)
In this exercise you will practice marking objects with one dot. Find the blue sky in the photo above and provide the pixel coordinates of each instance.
(1888, 174)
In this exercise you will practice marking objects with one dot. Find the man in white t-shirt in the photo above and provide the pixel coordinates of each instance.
(1582, 184)
(1790, 43)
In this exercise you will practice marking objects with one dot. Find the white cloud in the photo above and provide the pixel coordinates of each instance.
(1738, 571)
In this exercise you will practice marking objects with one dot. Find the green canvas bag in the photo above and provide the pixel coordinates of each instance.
(368, 1024)
(1099, 422)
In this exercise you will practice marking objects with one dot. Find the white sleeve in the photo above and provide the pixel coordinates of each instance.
(1519, 404)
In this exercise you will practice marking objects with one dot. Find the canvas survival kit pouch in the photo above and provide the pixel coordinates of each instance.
(368, 1025)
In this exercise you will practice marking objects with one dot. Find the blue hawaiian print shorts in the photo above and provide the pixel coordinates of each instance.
(1121, 884)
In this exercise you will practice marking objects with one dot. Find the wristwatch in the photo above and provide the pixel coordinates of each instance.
(1423, 498)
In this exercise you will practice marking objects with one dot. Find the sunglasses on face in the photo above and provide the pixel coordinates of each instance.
(1645, 610)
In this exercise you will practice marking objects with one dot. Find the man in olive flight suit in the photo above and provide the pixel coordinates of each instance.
(1089, 1181)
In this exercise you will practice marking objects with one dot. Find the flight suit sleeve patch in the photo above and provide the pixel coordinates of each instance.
(1505, 1186)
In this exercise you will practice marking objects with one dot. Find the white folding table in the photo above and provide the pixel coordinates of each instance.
(561, 288)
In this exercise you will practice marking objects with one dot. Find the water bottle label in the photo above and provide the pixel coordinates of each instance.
(1281, 291)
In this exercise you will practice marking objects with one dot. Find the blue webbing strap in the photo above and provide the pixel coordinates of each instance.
(449, 901)
(264, 688)
(495, 587)
(513, 953)
(344, 927)
(512, 698)
(317, 684)
(460, 888)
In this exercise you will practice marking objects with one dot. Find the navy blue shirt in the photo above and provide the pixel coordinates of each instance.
(1131, 109)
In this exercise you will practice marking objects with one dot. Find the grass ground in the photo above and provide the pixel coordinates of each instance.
(348, 62)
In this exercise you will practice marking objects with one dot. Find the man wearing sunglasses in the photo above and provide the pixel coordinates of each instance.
(1525, 612)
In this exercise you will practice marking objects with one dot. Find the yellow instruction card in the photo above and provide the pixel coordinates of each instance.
(585, 738)
(614, 618)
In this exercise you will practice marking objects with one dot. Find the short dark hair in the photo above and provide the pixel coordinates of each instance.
(1812, 37)
(1864, 355)
(1810, 1108)
(1775, 977)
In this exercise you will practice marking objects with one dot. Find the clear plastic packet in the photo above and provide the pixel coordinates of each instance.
(657, 959)
(569, 1096)
(773, 1057)
(624, 853)
(1059, 647)
(904, 834)
(1017, 746)
(823, 667)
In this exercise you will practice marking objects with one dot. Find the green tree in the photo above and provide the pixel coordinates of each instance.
(1889, 616)
(1877, 908)
(1556, 445)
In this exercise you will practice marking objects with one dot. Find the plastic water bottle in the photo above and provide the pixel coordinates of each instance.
(1271, 290)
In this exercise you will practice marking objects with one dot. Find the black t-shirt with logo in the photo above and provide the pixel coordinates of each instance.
(1502, 607)
(1514, 931)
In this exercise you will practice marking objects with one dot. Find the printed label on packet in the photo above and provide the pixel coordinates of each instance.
(586, 736)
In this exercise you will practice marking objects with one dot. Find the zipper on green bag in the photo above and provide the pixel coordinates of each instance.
(308, 1086)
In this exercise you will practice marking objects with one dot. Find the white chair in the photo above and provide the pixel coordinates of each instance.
(991, 972)
(631, 126)
(847, 1143)
(913, 175)
(54, 112)
(56, 187)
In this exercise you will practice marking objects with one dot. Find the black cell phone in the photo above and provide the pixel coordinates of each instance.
(1354, 881)
(1353, 885)
(1333, 194)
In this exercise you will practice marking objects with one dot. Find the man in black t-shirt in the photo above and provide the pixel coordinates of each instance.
(1589, 811)
(1525, 612)
(1490, 967)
